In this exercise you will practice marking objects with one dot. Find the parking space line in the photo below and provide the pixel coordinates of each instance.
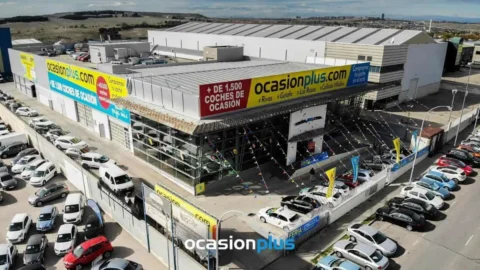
(423, 234)
(453, 203)
(415, 242)
(468, 241)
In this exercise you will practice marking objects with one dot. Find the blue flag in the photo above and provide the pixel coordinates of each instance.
(355, 165)
(415, 144)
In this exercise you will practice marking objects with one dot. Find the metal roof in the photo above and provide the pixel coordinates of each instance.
(372, 36)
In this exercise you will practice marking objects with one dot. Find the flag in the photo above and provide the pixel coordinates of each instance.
(331, 178)
(396, 143)
(355, 164)
(414, 135)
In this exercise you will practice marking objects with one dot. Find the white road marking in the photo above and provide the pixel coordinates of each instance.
(454, 202)
(423, 234)
(415, 242)
(468, 241)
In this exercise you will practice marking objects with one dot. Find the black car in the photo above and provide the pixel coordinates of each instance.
(402, 217)
(12, 149)
(26, 152)
(35, 266)
(5, 97)
(93, 227)
(465, 157)
(418, 206)
(35, 249)
(301, 204)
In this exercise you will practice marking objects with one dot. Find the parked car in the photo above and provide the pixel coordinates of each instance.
(87, 252)
(48, 193)
(423, 195)
(441, 180)
(93, 227)
(46, 219)
(67, 141)
(360, 254)
(444, 161)
(465, 157)
(26, 111)
(7, 181)
(31, 168)
(12, 149)
(334, 263)
(376, 164)
(35, 250)
(66, 238)
(475, 145)
(73, 210)
(3, 130)
(43, 174)
(23, 153)
(8, 254)
(24, 162)
(340, 186)
(75, 153)
(115, 264)
(53, 134)
(280, 217)
(418, 206)
(454, 173)
(5, 97)
(18, 229)
(432, 186)
(320, 194)
(469, 149)
(401, 216)
(14, 106)
(389, 157)
(300, 204)
(95, 160)
(116, 179)
(403, 151)
(40, 122)
(371, 237)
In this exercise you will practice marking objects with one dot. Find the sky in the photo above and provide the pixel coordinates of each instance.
(258, 8)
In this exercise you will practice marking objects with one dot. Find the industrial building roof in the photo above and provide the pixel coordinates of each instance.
(188, 78)
(372, 36)
(25, 41)
(114, 43)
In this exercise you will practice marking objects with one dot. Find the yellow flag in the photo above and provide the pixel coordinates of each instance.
(396, 143)
(200, 188)
(331, 174)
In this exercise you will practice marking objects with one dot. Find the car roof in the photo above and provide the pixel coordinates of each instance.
(285, 212)
(405, 211)
(118, 263)
(35, 239)
(47, 209)
(66, 137)
(365, 249)
(113, 169)
(49, 186)
(92, 154)
(19, 217)
(65, 228)
(94, 241)
(45, 166)
(3, 249)
(328, 260)
(419, 190)
(73, 198)
(38, 161)
(435, 173)
(369, 230)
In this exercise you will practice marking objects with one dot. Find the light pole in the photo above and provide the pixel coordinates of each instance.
(454, 91)
(463, 105)
(420, 135)
(217, 256)
(476, 118)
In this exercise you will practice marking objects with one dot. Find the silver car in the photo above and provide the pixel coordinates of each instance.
(372, 237)
(360, 254)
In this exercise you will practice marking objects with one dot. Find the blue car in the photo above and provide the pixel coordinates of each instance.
(431, 185)
(46, 219)
(441, 180)
(332, 262)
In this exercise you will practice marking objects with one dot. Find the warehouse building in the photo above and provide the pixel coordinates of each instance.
(410, 58)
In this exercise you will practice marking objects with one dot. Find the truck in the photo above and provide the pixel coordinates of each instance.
(13, 137)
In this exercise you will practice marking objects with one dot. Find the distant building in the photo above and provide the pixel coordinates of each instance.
(383, 16)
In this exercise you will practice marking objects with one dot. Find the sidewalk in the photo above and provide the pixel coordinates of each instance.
(310, 249)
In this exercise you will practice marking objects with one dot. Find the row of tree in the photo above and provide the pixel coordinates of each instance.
(96, 14)
(24, 19)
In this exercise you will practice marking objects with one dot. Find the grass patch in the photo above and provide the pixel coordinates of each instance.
(369, 219)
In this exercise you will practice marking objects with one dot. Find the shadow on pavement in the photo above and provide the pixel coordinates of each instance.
(394, 265)
(428, 227)
(50, 258)
(20, 184)
(451, 197)
(7, 199)
(445, 206)
(122, 252)
(112, 230)
(400, 251)
(440, 216)
(468, 181)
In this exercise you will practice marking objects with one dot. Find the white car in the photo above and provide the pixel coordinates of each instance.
(18, 229)
(24, 162)
(26, 111)
(321, 196)
(338, 186)
(451, 172)
(365, 175)
(40, 122)
(64, 142)
(3, 130)
(95, 160)
(280, 217)
(8, 253)
(75, 153)
(53, 134)
(30, 168)
(73, 210)
(423, 195)
(66, 238)
(43, 174)
(372, 237)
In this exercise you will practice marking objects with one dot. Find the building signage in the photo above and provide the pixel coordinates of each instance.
(225, 97)
(28, 63)
(198, 214)
(89, 87)
(314, 159)
(294, 234)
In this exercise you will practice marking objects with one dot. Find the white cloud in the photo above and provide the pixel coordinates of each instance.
(112, 4)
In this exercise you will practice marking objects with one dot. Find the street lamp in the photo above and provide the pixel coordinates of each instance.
(454, 91)
(217, 256)
(420, 135)
(463, 105)
(476, 118)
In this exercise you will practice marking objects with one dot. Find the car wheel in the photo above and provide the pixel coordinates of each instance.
(353, 239)
(380, 218)
(63, 195)
(39, 203)
(367, 267)
(455, 180)
(4, 156)
(55, 173)
(107, 254)
(409, 228)
(44, 183)
(262, 219)
(59, 147)
(78, 267)
(339, 254)
(85, 166)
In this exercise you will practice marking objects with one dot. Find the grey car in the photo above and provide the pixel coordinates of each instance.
(372, 237)
(26, 152)
(48, 193)
(360, 254)
(115, 264)
(35, 249)
(7, 181)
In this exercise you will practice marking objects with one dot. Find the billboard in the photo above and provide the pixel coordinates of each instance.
(28, 63)
(89, 87)
(222, 97)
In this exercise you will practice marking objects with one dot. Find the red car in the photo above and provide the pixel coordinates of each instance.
(88, 251)
(348, 180)
(445, 161)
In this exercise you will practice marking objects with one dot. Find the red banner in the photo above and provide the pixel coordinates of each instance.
(224, 97)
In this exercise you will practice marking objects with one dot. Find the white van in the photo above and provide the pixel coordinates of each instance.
(43, 174)
(13, 138)
(32, 167)
(73, 210)
(115, 178)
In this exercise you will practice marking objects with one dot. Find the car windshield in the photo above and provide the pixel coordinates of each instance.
(62, 238)
(430, 195)
(435, 187)
(31, 168)
(42, 120)
(103, 159)
(78, 251)
(23, 161)
(32, 249)
(122, 179)
(45, 217)
(461, 163)
(3, 259)
(379, 238)
(444, 178)
(376, 256)
(295, 217)
(74, 140)
(41, 192)
(72, 208)
(337, 262)
(38, 173)
(17, 226)
(2, 127)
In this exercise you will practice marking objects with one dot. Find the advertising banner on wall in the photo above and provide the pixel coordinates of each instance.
(222, 97)
(331, 174)
(89, 87)
(28, 63)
